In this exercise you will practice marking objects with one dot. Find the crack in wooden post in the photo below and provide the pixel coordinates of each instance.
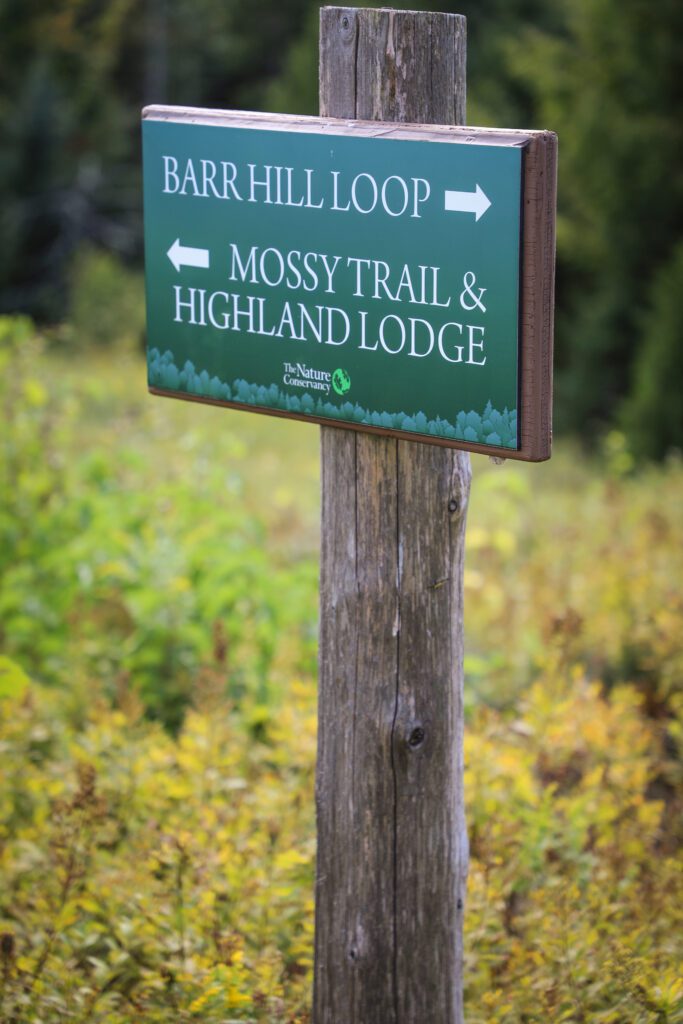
(392, 845)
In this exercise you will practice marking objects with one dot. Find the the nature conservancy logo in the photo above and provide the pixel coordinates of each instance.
(341, 382)
(299, 375)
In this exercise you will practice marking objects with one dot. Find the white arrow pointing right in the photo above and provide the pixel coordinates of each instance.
(476, 202)
(186, 256)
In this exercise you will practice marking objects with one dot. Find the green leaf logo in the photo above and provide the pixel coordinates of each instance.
(341, 382)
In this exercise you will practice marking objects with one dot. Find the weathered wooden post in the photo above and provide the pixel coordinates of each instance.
(392, 843)
(286, 260)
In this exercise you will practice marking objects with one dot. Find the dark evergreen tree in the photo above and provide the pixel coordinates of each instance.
(606, 75)
(611, 86)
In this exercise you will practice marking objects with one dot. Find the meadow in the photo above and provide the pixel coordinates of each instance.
(158, 623)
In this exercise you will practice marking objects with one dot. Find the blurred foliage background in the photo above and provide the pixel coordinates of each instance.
(158, 600)
(605, 74)
(158, 560)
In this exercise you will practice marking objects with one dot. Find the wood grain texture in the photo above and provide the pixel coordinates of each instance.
(538, 295)
(255, 120)
(392, 845)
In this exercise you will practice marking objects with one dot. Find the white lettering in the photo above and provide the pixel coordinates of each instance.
(402, 334)
(458, 348)
(417, 198)
(171, 172)
(254, 183)
(238, 267)
(475, 344)
(225, 323)
(414, 321)
(385, 201)
(373, 192)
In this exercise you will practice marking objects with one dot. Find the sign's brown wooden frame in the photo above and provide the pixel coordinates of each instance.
(537, 259)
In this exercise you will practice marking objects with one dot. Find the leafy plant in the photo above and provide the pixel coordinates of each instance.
(158, 592)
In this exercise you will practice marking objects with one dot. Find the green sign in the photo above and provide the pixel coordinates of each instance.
(372, 281)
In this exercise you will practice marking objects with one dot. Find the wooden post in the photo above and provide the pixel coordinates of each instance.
(392, 843)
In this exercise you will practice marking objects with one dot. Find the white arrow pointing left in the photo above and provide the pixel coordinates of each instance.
(186, 256)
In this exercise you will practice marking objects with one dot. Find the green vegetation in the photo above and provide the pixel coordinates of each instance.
(158, 596)
(604, 74)
(158, 559)
(489, 427)
(90, 552)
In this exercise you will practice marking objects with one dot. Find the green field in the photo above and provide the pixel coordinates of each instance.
(158, 603)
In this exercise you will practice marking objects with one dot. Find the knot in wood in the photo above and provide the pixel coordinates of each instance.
(453, 505)
(416, 737)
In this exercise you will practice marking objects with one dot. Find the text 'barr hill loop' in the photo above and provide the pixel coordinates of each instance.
(274, 185)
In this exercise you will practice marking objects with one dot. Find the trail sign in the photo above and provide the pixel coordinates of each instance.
(387, 278)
